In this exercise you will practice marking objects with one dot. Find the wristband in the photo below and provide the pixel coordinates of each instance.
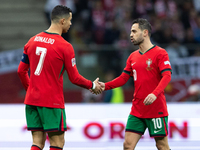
(93, 85)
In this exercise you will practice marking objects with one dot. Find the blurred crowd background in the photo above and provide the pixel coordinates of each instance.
(100, 36)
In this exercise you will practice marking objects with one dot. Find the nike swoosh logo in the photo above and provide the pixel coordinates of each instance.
(157, 131)
(133, 63)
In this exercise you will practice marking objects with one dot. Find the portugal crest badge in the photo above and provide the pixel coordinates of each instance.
(149, 62)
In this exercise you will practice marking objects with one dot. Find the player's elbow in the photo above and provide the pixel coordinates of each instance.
(170, 77)
(19, 72)
(167, 75)
(167, 78)
(74, 80)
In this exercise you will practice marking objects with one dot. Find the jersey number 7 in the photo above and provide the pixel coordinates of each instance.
(42, 53)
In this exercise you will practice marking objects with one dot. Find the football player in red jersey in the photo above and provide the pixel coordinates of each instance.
(151, 71)
(48, 55)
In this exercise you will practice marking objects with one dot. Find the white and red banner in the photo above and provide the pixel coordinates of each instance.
(101, 123)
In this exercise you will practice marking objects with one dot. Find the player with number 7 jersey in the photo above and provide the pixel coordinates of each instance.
(48, 55)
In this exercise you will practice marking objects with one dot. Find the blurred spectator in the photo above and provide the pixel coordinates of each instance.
(197, 52)
(80, 7)
(167, 36)
(109, 6)
(112, 33)
(196, 30)
(193, 19)
(118, 11)
(128, 5)
(189, 40)
(143, 8)
(185, 8)
(157, 34)
(194, 92)
(177, 27)
(196, 5)
(98, 22)
(123, 43)
(111, 60)
(165, 8)
(78, 32)
(127, 22)
(176, 50)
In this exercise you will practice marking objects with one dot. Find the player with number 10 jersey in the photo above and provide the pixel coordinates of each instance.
(147, 70)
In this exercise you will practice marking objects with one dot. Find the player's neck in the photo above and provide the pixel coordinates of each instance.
(145, 46)
(54, 29)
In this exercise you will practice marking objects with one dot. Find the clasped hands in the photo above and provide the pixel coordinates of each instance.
(99, 87)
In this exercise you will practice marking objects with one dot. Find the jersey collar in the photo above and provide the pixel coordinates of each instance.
(49, 32)
(147, 50)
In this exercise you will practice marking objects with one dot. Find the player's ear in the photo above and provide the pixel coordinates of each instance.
(145, 32)
(62, 21)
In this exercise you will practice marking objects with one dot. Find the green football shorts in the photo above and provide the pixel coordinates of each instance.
(45, 119)
(158, 127)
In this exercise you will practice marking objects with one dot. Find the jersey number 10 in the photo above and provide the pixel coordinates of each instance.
(134, 74)
(40, 51)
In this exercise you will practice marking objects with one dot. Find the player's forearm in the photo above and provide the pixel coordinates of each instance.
(81, 81)
(163, 83)
(23, 74)
(24, 78)
(117, 82)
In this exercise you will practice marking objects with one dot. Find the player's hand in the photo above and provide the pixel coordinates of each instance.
(149, 99)
(98, 88)
(102, 85)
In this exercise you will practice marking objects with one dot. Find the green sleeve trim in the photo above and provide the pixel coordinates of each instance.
(127, 72)
(166, 70)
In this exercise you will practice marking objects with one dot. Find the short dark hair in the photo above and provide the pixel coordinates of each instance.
(59, 11)
(143, 24)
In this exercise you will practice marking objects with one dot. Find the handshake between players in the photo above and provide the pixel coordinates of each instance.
(98, 87)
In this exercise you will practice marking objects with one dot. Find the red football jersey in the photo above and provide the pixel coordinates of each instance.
(146, 69)
(48, 55)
